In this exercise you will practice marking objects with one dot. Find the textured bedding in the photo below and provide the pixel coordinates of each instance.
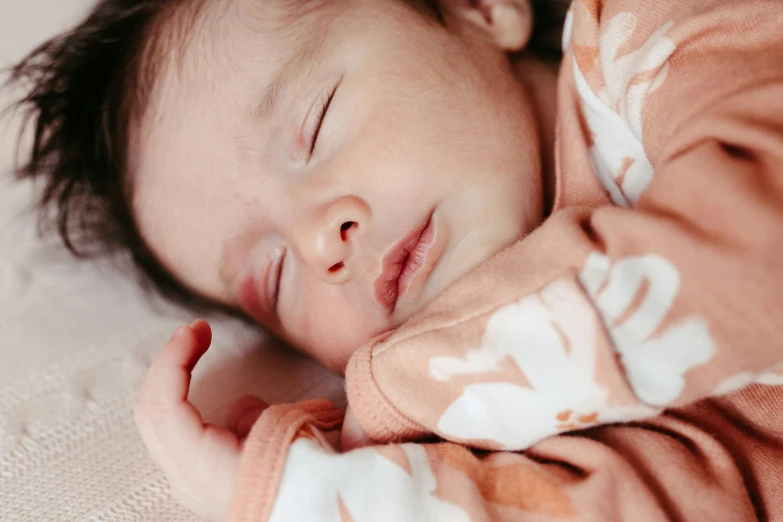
(75, 341)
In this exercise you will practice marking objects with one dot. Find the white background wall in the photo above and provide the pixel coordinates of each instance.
(23, 25)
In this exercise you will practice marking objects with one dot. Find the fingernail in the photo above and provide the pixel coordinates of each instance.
(177, 333)
(194, 323)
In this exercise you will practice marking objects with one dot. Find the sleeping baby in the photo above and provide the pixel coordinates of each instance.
(555, 289)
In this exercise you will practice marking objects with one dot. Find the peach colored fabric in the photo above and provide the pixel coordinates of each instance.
(260, 468)
(623, 361)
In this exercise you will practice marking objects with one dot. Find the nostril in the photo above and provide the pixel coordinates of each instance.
(336, 268)
(348, 225)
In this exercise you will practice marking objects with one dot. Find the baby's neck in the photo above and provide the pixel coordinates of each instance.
(540, 80)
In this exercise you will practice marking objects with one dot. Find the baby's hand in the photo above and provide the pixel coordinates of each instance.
(200, 460)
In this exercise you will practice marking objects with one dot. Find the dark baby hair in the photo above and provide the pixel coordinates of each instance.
(84, 90)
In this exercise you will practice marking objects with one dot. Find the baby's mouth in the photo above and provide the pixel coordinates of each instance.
(402, 264)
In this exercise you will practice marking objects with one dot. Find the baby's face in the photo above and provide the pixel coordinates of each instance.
(331, 172)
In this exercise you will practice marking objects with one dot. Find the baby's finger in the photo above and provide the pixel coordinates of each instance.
(170, 426)
(195, 339)
(168, 379)
(244, 414)
(203, 334)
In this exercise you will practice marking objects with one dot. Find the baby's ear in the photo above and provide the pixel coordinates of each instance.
(508, 23)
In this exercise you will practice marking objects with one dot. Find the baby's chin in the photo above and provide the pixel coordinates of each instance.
(335, 352)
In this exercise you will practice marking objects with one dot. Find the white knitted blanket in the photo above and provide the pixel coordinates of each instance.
(75, 341)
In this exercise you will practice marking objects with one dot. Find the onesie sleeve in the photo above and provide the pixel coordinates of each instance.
(669, 468)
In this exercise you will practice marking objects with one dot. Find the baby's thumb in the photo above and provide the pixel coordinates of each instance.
(352, 436)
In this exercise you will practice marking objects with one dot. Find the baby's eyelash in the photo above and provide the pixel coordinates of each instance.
(326, 100)
(319, 123)
(278, 279)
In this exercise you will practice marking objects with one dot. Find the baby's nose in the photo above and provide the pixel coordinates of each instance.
(333, 238)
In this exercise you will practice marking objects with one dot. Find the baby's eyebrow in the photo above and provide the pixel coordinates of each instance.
(305, 56)
(271, 98)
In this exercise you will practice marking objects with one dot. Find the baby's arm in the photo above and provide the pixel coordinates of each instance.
(286, 469)
(670, 468)
(665, 470)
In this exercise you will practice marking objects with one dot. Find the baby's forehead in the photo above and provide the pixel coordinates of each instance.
(233, 22)
(201, 52)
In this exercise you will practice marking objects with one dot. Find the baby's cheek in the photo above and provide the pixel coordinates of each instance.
(330, 323)
(338, 339)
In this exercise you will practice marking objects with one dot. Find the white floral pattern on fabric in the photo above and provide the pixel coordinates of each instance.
(771, 377)
(318, 484)
(734, 383)
(552, 339)
(655, 361)
(614, 115)
(568, 28)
